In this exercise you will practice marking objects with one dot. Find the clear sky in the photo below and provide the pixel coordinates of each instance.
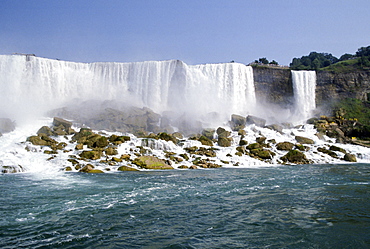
(195, 31)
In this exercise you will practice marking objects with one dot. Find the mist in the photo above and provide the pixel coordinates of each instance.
(185, 95)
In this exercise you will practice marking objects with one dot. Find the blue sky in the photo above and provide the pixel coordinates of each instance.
(194, 31)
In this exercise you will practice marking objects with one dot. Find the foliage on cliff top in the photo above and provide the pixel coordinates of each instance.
(325, 61)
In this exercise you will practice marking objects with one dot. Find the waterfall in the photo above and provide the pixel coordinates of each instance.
(32, 84)
(304, 85)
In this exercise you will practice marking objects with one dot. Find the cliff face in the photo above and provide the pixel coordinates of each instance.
(333, 86)
(273, 85)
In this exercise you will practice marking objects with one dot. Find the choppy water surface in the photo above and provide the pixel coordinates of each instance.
(309, 206)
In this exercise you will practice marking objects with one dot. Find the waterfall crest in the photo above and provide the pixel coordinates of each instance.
(31, 83)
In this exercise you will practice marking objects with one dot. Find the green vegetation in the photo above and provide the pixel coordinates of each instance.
(353, 109)
(266, 61)
(325, 61)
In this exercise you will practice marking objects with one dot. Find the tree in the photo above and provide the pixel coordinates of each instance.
(263, 60)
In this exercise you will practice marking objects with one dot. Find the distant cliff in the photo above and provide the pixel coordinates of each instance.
(274, 85)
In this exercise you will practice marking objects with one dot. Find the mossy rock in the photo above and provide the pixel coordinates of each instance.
(79, 147)
(68, 168)
(91, 154)
(224, 141)
(102, 142)
(336, 148)
(183, 167)
(86, 168)
(151, 162)
(349, 157)
(254, 146)
(126, 168)
(285, 146)
(205, 141)
(304, 140)
(110, 151)
(208, 133)
(221, 132)
(260, 140)
(46, 130)
(326, 151)
(95, 171)
(295, 156)
(167, 137)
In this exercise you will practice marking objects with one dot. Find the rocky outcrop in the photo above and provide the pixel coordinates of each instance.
(334, 86)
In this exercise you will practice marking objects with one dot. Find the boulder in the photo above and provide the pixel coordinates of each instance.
(208, 133)
(295, 156)
(237, 122)
(91, 154)
(304, 140)
(151, 162)
(126, 168)
(224, 141)
(349, 157)
(205, 141)
(275, 127)
(59, 121)
(336, 148)
(260, 140)
(255, 120)
(221, 132)
(6, 125)
(46, 130)
(285, 146)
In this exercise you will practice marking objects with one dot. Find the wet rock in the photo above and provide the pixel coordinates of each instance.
(260, 140)
(183, 167)
(304, 140)
(11, 169)
(275, 127)
(205, 141)
(151, 162)
(336, 148)
(91, 154)
(193, 167)
(6, 125)
(46, 130)
(86, 168)
(295, 156)
(255, 120)
(126, 168)
(221, 132)
(59, 121)
(237, 122)
(224, 141)
(208, 133)
(326, 151)
(285, 146)
(349, 157)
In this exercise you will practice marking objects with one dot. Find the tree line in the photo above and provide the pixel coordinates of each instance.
(315, 60)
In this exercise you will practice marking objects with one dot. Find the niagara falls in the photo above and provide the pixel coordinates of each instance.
(184, 124)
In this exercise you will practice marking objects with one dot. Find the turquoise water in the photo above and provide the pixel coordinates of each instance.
(308, 206)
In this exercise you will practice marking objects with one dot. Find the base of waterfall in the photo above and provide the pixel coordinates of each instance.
(56, 144)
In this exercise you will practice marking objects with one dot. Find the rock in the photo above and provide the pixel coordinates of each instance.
(221, 132)
(261, 153)
(168, 137)
(275, 127)
(183, 167)
(87, 168)
(91, 154)
(326, 151)
(254, 146)
(59, 121)
(6, 125)
(304, 140)
(205, 141)
(335, 148)
(41, 140)
(126, 168)
(255, 120)
(208, 133)
(285, 146)
(295, 156)
(46, 130)
(101, 142)
(95, 171)
(237, 122)
(224, 141)
(193, 167)
(349, 157)
(11, 169)
(111, 151)
(260, 140)
(151, 162)
(68, 168)
(79, 147)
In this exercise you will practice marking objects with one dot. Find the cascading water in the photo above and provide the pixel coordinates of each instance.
(28, 84)
(304, 85)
